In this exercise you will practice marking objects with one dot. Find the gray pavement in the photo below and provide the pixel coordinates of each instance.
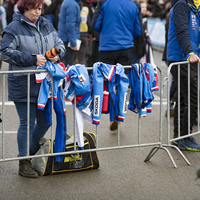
(123, 174)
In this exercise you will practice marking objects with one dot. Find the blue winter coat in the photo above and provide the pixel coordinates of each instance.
(69, 22)
(118, 23)
(21, 42)
(183, 34)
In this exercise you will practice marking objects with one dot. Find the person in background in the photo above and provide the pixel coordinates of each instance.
(165, 6)
(10, 7)
(28, 27)
(94, 57)
(2, 16)
(85, 29)
(139, 49)
(3, 22)
(153, 8)
(183, 45)
(69, 28)
(51, 11)
(118, 23)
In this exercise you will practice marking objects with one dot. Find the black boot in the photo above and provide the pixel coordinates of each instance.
(25, 169)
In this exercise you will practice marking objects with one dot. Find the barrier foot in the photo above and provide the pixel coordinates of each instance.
(155, 149)
(151, 153)
(170, 156)
(186, 160)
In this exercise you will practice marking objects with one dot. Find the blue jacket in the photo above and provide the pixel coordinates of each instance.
(183, 34)
(118, 23)
(57, 73)
(21, 42)
(69, 22)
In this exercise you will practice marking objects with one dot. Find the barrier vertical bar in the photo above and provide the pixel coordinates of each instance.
(161, 98)
(3, 111)
(28, 112)
(179, 101)
(168, 104)
(74, 122)
(118, 134)
(140, 98)
(198, 97)
(52, 91)
(97, 140)
(139, 126)
(188, 98)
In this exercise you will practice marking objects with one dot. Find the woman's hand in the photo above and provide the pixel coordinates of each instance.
(40, 60)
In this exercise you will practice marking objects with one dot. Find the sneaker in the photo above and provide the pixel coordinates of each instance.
(171, 112)
(189, 144)
(25, 169)
(175, 143)
(113, 125)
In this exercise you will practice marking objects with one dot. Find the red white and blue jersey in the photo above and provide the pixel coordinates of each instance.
(151, 74)
(152, 78)
(115, 76)
(78, 74)
(77, 83)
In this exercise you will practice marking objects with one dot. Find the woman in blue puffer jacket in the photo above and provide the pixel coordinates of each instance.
(24, 41)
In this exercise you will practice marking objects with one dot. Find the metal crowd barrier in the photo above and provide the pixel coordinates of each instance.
(156, 145)
(170, 137)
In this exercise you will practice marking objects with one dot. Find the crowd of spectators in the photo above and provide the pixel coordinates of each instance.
(155, 9)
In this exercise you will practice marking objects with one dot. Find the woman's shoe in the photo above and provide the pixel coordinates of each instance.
(26, 170)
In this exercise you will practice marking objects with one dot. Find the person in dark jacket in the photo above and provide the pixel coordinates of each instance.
(23, 42)
(139, 49)
(51, 11)
(94, 57)
(69, 28)
(183, 45)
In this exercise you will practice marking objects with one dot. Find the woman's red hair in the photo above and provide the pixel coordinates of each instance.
(25, 5)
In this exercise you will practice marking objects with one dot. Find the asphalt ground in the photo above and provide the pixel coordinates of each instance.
(122, 174)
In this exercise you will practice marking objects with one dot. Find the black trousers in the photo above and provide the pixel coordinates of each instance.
(82, 51)
(69, 58)
(122, 57)
(184, 97)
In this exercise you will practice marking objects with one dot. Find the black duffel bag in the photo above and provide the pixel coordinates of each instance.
(71, 162)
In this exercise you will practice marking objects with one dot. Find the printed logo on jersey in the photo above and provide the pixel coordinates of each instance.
(194, 21)
(125, 106)
(81, 78)
(96, 105)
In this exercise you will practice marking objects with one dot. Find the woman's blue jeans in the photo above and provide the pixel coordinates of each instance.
(38, 127)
